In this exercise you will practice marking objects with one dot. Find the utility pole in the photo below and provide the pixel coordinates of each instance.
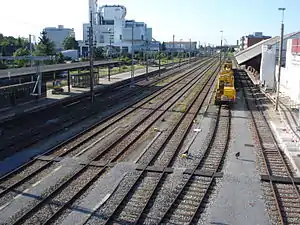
(180, 53)
(109, 54)
(221, 47)
(173, 49)
(280, 59)
(147, 66)
(91, 48)
(190, 51)
(132, 54)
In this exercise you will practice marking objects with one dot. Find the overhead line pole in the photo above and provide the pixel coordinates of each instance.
(221, 47)
(280, 59)
(173, 49)
(91, 48)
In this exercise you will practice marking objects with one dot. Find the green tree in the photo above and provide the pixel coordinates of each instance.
(60, 58)
(98, 53)
(163, 46)
(45, 46)
(70, 43)
(21, 52)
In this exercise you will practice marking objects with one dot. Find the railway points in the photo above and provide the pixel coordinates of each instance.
(130, 169)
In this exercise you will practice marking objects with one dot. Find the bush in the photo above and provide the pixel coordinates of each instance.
(2, 66)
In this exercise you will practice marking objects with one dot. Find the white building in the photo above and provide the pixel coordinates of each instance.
(183, 46)
(111, 27)
(58, 35)
(290, 74)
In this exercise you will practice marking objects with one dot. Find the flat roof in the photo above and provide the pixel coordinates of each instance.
(51, 68)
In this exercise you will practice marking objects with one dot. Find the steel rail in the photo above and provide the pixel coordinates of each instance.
(60, 145)
(31, 211)
(265, 161)
(159, 151)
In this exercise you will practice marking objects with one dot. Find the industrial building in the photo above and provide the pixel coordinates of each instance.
(111, 28)
(181, 46)
(58, 35)
(252, 39)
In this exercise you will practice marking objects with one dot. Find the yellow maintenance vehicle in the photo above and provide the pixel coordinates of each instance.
(225, 93)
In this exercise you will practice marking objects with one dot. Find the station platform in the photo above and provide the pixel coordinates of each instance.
(52, 100)
(285, 128)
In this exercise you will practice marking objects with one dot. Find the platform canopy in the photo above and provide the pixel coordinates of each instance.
(255, 50)
(52, 68)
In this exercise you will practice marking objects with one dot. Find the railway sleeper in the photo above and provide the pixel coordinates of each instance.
(280, 179)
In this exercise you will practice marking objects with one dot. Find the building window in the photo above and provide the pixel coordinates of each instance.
(142, 37)
(121, 37)
(108, 22)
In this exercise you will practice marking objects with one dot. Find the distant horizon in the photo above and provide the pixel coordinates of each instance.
(199, 20)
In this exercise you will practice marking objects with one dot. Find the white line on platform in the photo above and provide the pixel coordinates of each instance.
(94, 143)
(73, 103)
(9, 115)
(5, 205)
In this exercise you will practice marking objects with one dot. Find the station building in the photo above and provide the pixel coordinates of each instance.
(262, 60)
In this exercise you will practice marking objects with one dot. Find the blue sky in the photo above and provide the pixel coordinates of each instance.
(200, 20)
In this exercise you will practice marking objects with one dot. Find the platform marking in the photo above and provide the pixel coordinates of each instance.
(94, 143)
(73, 103)
(5, 205)
(26, 190)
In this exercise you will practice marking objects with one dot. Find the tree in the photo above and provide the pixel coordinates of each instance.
(163, 46)
(60, 58)
(45, 46)
(98, 53)
(70, 43)
(21, 52)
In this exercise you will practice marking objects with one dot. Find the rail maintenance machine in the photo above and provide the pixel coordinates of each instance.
(225, 93)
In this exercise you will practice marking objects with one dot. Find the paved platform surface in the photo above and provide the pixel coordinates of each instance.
(239, 196)
(286, 133)
(33, 105)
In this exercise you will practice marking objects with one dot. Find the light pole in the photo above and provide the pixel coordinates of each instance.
(132, 53)
(180, 53)
(173, 51)
(221, 47)
(190, 51)
(91, 48)
(147, 65)
(109, 30)
(280, 59)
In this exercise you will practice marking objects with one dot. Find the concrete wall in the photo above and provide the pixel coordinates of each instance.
(290, 75)
(267, 66)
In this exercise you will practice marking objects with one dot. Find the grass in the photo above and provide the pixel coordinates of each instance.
(122, 69)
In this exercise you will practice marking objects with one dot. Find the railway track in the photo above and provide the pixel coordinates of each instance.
(147, 184)
(282, 194)
(65, 117)
(82, 169)
(81, 140)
